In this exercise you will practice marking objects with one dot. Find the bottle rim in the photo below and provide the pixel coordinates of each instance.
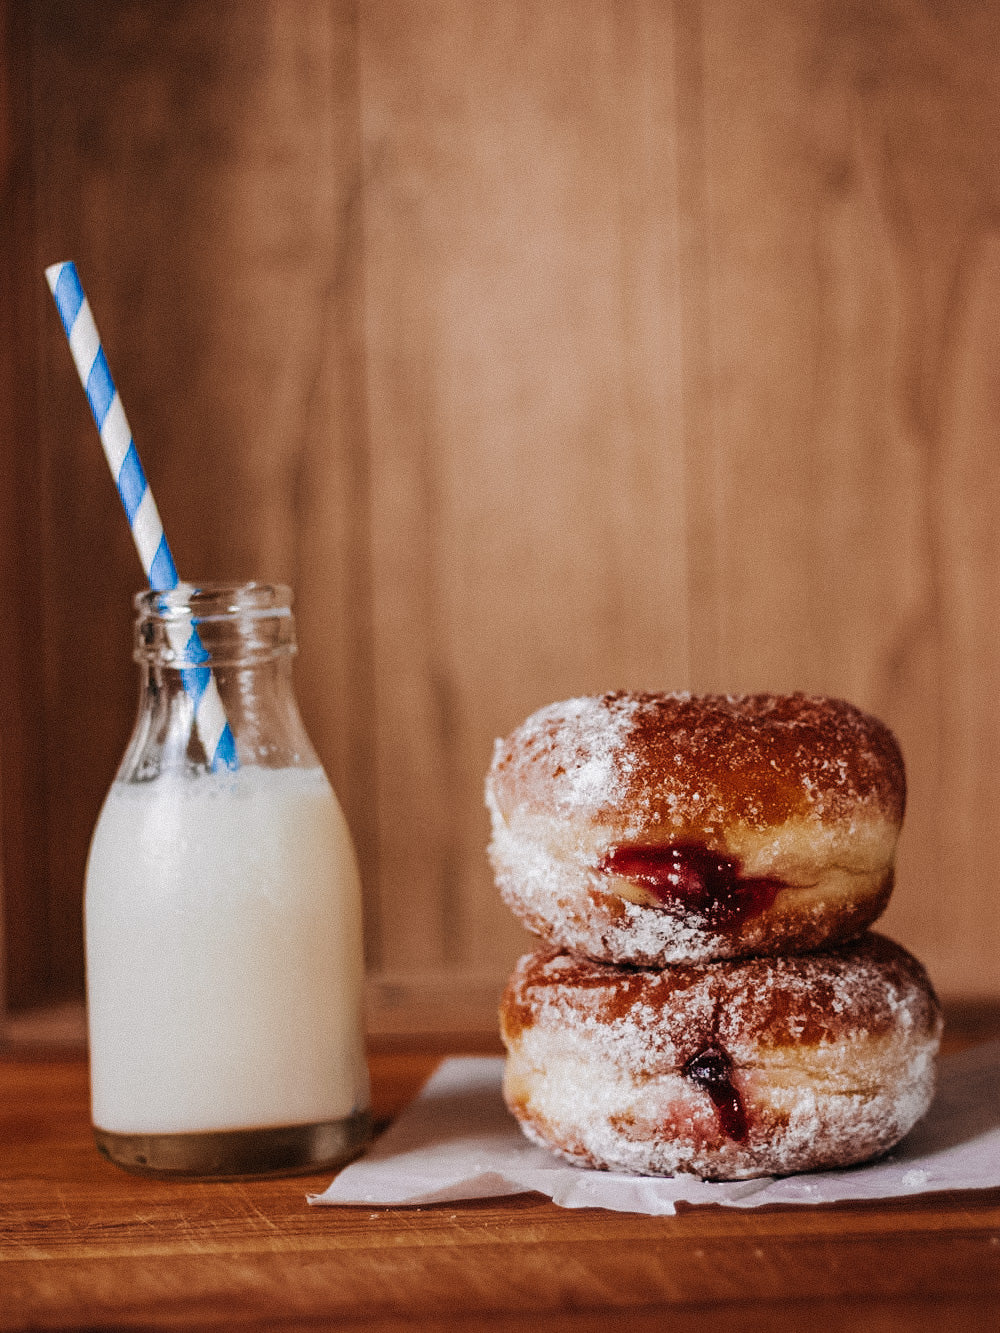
(208, 601)
(213, 624)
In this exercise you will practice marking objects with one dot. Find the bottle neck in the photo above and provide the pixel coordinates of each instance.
(221, 653)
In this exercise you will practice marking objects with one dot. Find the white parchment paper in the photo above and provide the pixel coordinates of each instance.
(458, 1141)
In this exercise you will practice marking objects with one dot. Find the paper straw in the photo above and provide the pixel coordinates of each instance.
(140, 507)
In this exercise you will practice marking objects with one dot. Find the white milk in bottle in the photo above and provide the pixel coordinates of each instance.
(223, 914)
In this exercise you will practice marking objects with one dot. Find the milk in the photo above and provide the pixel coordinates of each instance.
(224, 956)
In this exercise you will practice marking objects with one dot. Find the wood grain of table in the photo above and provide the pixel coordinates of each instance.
(84, 1245)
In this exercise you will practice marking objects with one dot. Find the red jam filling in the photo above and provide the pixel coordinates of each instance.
(691, 876)
(712, 1070)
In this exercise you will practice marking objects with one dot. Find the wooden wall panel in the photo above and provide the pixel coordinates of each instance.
(851, 288)
(545, 348)
(201, 165)
(25, 960)
(524, 408)
(957, 910)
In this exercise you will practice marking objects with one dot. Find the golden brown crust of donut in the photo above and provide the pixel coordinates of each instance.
(832, 1055)
(782, 1001)
(692, 764)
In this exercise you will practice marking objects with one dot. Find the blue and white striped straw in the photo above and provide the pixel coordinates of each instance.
(140, 507)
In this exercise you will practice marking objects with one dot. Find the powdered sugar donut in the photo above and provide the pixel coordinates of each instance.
(726, 1070)
(652, 829)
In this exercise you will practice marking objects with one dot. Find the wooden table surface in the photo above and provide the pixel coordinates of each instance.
(86, 1246)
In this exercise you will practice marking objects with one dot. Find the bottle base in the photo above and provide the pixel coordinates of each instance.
(239, 1154)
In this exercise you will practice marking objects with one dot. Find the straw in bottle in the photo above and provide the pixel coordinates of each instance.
(144, 520)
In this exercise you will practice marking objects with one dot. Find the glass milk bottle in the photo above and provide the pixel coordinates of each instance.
(223, 913)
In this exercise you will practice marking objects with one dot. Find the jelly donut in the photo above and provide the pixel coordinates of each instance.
(652, 829)
(725, 1070)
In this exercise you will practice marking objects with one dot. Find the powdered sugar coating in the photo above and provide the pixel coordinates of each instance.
(833, 1056)
(580, 744)
(697, 763)
(567, 903)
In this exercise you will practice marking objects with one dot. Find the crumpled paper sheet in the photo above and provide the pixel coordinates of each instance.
(458, 1141)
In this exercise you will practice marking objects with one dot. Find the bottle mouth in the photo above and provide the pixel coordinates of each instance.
(222, 624)
(212, 601)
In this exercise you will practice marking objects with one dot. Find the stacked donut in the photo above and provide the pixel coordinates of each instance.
(703, 871)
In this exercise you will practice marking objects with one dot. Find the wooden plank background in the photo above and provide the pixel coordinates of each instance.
(544, 348)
